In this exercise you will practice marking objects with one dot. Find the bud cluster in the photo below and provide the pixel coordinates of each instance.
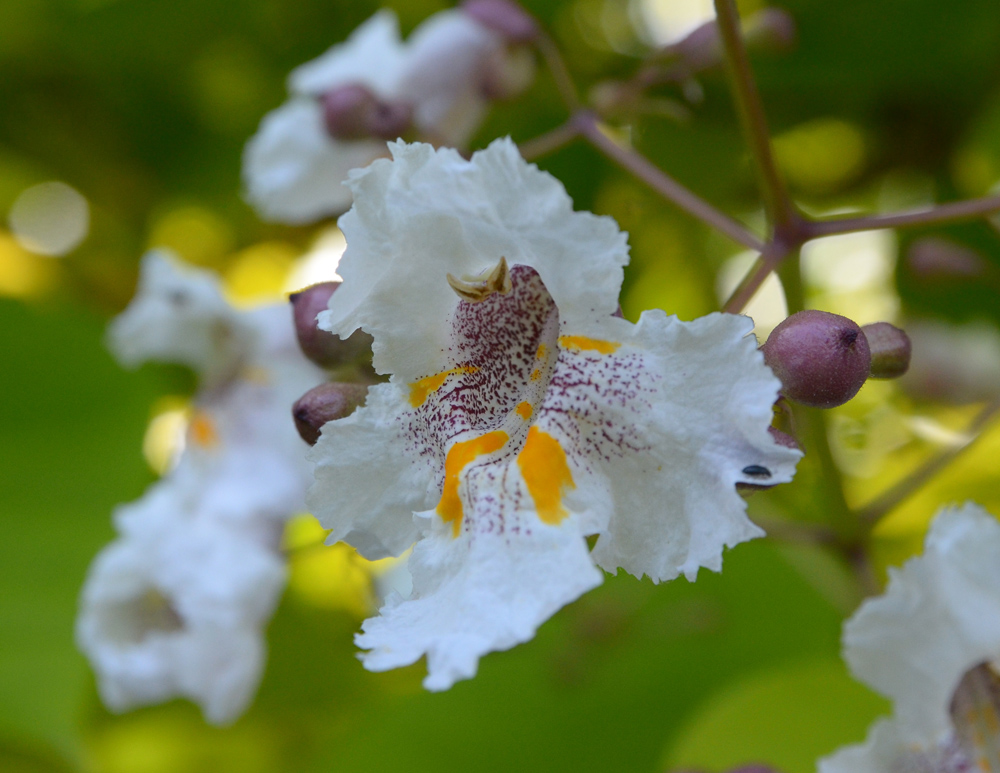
(823, 359)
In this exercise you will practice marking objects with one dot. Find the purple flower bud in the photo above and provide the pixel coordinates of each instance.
(325, 349)
(932, 259)
(822, 359)
(890, 348)
(353, 112)
(324, 403)
(505, 17)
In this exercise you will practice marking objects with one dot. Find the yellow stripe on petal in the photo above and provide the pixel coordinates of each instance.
(583, 343)
(524, 410)
(201, 430)
(544, 469)
(421, 390)
(542, 351)
(460, 456)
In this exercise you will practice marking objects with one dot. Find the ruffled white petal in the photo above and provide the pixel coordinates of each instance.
(175, 608)
(485, 591)
(372, 56)
(294, 171)
(699, 413)
(880, 753)
(939, 617)
(368, 480)
(428, 213)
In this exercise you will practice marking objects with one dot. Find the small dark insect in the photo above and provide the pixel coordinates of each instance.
(756, 471)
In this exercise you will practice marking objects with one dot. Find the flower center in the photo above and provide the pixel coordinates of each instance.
(133, 620)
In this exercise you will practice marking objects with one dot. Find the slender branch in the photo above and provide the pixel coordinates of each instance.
(871, 513)
(777, 204)
(560, 72)
(770, 258)
(549, 142)
(945, 213)
(663, 184)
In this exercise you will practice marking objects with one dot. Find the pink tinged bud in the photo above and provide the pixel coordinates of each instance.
(890, 348)
(353, 112)
(324, 348)
(933, 259)
(822, 359)
(326, 402)
(504, 17)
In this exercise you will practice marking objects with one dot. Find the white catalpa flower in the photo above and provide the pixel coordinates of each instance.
(438, 83)
(293, 169)
(243, 457)
(522, 416)
(931, 644)
(176, 608)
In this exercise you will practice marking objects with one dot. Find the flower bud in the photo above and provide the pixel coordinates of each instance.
(933, 259)
(505, 17)
(324, 348)
(324, 403)
(890, 348)
(822, 359)
(353, 112)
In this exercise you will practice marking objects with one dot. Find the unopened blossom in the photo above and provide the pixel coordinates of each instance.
(521, 415)
(931, 644)
(345, 104)
(176, 607)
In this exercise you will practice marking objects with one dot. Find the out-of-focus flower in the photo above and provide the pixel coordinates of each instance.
(931, 643)
(243, 457)
(521, 415)
(370, 89)
(176, 606)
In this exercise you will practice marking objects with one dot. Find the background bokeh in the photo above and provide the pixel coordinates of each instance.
(140, 109)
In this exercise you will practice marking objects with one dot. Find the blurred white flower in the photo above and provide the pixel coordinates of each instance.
(176, 608)
(522, 415)
(372, 88)
(177, 604)
(931, 643)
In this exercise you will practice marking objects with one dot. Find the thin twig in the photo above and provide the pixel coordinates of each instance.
(777, 204)
(872, 512)
(771, 256)
(663, 184)
(560, 72)
(549, 142)
(945, 213)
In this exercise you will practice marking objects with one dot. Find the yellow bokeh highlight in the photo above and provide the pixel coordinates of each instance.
(259, 274)
(197, 234)
(821, 156)
(165, 435)
(328, 576)
(168, 739)
(22, 273)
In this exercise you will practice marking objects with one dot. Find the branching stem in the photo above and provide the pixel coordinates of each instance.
(777, 204)
(662, 183)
